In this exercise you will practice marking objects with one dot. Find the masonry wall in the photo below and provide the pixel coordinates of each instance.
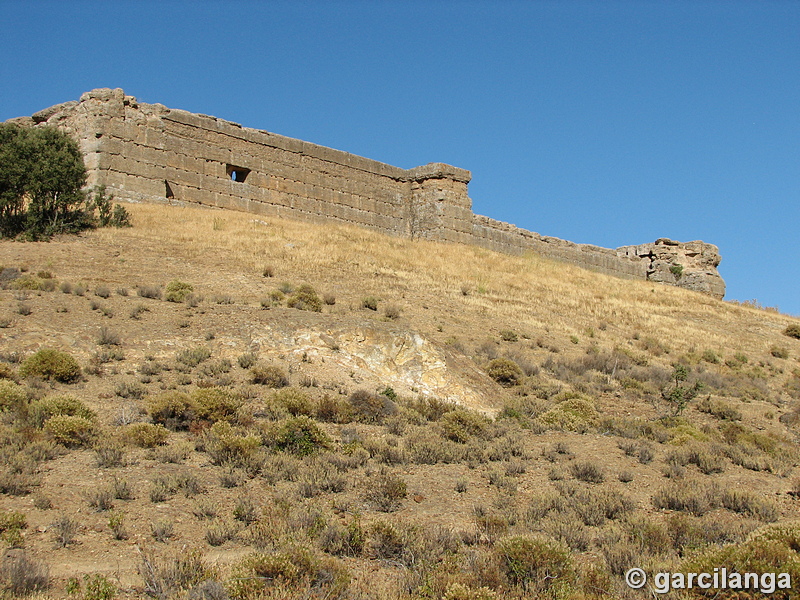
(147, 152)
(151, 153)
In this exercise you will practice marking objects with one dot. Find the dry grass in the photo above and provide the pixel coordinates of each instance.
(410, 490)
(533, 291)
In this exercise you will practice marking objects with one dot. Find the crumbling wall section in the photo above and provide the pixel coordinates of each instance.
(148, 152)
(691, 265)
(504, 237)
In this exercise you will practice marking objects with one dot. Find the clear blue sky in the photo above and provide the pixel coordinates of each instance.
(609, 123)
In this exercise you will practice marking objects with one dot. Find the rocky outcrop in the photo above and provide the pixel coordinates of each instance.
(388, 356)
(690, 265)
(148, 152)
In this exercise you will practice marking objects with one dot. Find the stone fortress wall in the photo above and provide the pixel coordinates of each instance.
(148, 152)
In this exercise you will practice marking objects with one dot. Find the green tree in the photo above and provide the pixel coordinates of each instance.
(41, 179)
(679, 395)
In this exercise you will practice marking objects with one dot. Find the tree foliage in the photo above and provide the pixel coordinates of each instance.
(41, 179)
(679, 395)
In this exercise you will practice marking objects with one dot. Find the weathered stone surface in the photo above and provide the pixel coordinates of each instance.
(47, 113)
(148, 152)
(690, 265)
(405, 360)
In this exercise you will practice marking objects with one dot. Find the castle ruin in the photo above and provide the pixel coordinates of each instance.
(151, 153)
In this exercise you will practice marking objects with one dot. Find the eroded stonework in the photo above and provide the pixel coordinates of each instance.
(148, 152)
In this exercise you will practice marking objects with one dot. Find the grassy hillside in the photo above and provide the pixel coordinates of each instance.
(249, 407)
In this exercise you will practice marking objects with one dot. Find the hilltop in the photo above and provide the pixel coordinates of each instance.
(379, 417)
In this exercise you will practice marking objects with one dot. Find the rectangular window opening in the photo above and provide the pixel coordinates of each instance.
(238, 174)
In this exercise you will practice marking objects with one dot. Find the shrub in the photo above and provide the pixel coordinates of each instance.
(587, 471)
(6, 372)
(343, 540)
(106, 337)
(508, 335)
(792, 330)
(146, 435)
(12, 520)
(109, 454)
(220, 532)
(332, 410)
(769, 550)
(295, 568)
(694, 497)
(191, 357)
(116, 523)
(101, 499)
(392, 311)
(12, 396)
(461, 425)
(162, 490)
(174, 410)
(247, 360)
(779, 352)
(136, 311)
(108, 213)
(535, 563)
(505, 372)
(27, 282)
(70, 431)
(177, 291)
(596, 505)
(387, 541)
(17, 481)
(42, 502)
(460, 591)
(149, 291)
(750, 503)
(172, 454)
(427, 448)
(97, 587)
(293, 401)
(23, 575)
(269, 375)
(645, 453)
(51, 364)
(301, 436)
(129, 389)
(371, 408)
(387, 492)
(370, 303)
(573, 414)
(275, 298)
(215, 404)
(305, 298)
(121, 489)
(162, 530)
(225, 445)
(64, 529)
(245, 510)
